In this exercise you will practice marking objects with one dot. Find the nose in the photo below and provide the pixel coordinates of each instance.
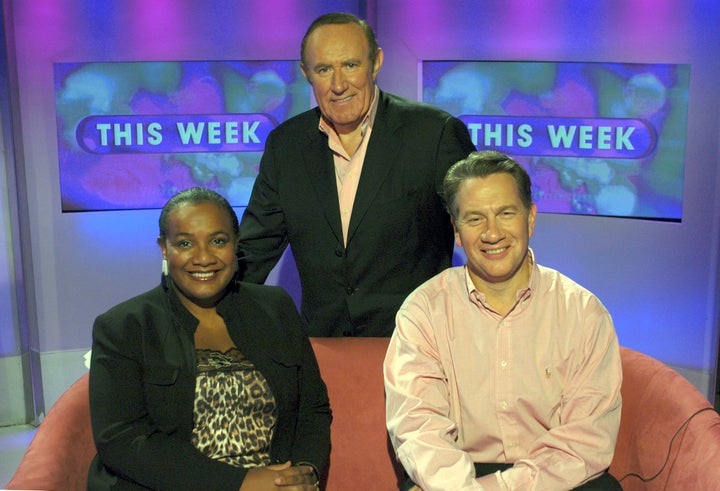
(338, 81)
(203, 256)
(493, 232)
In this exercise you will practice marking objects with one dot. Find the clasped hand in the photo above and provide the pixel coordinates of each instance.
(284, 477)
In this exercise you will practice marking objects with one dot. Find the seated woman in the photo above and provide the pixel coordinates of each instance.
(205, 382)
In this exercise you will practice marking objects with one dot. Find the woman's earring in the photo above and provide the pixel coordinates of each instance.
(164, 267)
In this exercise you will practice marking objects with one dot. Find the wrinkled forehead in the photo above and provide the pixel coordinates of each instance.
(336, 41)
(493, 190)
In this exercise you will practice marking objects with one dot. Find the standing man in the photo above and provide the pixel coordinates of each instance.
(502, 374)
(352, 185)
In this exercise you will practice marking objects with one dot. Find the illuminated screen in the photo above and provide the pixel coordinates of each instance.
(596, 138)
(132, 134)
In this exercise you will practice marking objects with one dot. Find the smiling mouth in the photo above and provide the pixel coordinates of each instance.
(494, 252)
(203, 276)
(344, 99)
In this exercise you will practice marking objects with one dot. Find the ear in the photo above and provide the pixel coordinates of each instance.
(378, 63)
(531, 219)
(305, 72)
(458, 240)
(163, 247)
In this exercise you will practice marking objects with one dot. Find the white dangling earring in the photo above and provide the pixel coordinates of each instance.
(164, 267)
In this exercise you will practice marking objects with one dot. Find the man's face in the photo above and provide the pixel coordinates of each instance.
(494, 228)
(337, 65)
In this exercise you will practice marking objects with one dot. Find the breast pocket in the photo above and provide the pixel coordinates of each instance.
(163, 394)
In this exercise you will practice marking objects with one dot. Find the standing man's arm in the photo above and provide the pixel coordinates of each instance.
(263, 233)
(455, 144)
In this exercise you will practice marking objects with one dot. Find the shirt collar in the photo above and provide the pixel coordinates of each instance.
(477, 296)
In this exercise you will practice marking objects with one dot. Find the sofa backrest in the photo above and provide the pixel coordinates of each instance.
(361, 456)
(669, 432)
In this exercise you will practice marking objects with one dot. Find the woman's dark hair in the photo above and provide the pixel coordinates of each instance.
(483, 164)
(196, 196)
(342, 18)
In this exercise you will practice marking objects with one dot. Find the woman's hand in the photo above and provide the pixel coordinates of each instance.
(281, 477)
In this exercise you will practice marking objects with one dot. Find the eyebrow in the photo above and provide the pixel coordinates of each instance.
(499, 209)
(212, 234)
(357, 61)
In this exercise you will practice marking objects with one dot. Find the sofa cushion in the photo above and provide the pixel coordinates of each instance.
(361, 455)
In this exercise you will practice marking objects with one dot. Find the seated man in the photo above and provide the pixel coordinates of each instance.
(502, 374)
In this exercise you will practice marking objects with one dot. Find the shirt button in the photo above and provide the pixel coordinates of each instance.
(504, 405)
(349, 290)
(503, 363)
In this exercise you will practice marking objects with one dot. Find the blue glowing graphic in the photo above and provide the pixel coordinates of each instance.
(597, 138)
(132, 134)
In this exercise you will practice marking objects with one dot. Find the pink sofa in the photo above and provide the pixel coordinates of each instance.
(669, 432)
(669, 436)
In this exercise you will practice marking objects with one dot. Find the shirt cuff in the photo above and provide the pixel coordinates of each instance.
(491, 482)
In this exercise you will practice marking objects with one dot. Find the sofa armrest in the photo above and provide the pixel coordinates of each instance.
(669, 432)
(60, 453)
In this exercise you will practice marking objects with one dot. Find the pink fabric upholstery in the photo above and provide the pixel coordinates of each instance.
(361, 455)
(663, 438)
(59, 454)
(656, 403)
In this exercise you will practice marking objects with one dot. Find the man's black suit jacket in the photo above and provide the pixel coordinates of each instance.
(399, 236)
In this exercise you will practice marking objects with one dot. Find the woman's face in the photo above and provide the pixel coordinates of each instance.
(200, 250)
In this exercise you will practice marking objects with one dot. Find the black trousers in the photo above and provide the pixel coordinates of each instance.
(604, 482)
